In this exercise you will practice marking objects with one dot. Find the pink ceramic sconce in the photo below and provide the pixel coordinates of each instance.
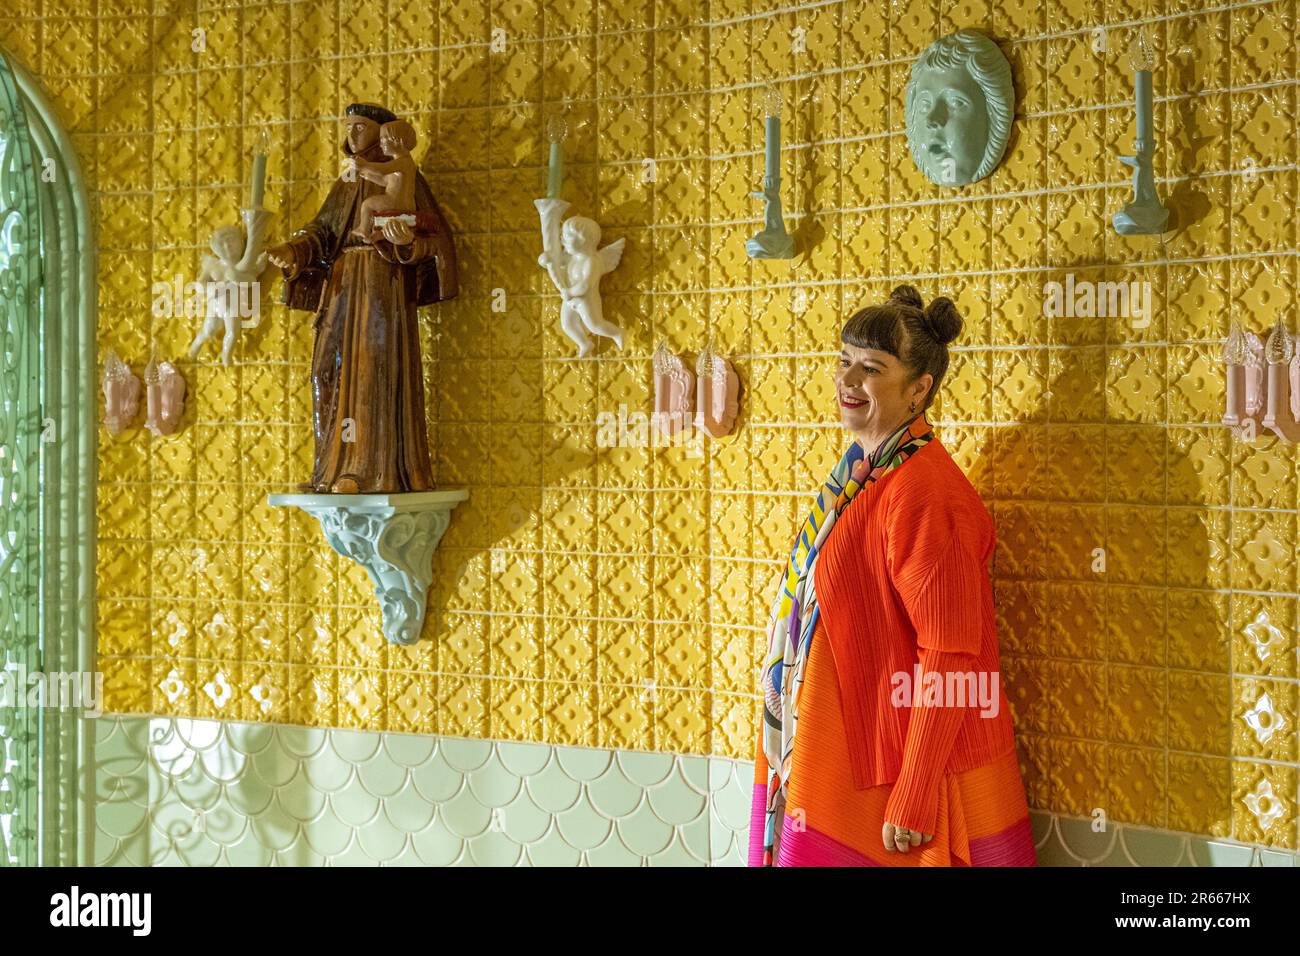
(717, 394)
(707, 399)
(165, 397)
(1263, 383)
(674, 391)
(121, 394)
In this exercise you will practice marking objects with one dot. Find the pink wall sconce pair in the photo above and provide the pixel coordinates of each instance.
(1263, 383)
(164, 396)
(709, 398)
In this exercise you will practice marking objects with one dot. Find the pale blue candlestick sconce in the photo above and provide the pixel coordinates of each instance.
(1144, 216)
(773, 242)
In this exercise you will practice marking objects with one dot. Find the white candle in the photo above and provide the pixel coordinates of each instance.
(261, 147)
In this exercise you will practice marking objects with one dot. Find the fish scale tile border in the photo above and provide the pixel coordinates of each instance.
(179, 792)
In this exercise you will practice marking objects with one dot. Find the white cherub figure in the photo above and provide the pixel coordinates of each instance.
(576, 264)
(225, 276)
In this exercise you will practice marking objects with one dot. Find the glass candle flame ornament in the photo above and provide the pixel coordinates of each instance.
(557, 130)
(164, 397)
(674, 391)
(261, 149)
(121, 394)
(717, 389)
(773, 242)
(1280, 347)
(1144, 215)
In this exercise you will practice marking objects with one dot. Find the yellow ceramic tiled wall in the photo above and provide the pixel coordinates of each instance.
(616, 596)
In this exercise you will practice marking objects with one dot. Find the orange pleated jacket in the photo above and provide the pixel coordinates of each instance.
(903, 584)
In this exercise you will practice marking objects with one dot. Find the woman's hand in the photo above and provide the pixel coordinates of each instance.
(901, 838)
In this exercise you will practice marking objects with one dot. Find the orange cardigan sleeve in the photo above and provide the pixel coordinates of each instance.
(934, 556)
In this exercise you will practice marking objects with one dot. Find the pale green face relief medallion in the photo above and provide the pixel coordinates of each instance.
(960, 101)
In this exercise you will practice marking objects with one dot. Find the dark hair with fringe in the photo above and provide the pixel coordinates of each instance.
(915, 334)
(376, 114)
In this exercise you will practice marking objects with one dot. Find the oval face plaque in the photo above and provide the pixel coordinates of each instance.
(959, 107)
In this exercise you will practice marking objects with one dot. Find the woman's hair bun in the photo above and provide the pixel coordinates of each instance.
(908, 296)
(942, 320)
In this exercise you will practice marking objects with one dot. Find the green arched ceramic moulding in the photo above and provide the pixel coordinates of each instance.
(47, 477)
(960, 103)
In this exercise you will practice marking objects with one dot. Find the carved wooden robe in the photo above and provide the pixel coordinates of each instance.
(367, 379)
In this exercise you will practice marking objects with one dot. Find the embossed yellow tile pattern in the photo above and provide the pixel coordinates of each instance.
(615, 596)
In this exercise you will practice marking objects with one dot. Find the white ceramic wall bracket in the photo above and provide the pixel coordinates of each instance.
(393, 537)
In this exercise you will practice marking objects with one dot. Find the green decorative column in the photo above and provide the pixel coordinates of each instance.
(47, 477)
(20, 476)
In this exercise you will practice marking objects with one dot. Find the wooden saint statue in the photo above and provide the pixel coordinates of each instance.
(366, 375)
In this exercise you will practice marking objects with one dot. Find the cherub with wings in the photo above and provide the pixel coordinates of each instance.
(226, 276)
(572, 257)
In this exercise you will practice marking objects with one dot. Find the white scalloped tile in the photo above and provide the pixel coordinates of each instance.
(677, 801)
(523, 759)
(275, 765)
(327, 835)
(275, 829)
(326, 770)
(524, 821)
(355, 806)
(495, 849)
(409, 750)
(120, 818)
(436, 780)
(356, 748)
(614, 795)
(646, 769)
(302, 801)
(354, 855)
(464, 754)
(553, 790)
(199, 852)
(583, 764)
(252, 797)
(582, 826)
(247, 852)
(382, 843)
(408, 857)
(437, 846)
(613, 853)
(678, 854)
(1278, 858)
(301, 741)
(644, 833)
(381, 775)
(250, 739)
(464, 815)
(408, 812)
(493, 785)
(196, 734)
(554, 853)
(1213, 853)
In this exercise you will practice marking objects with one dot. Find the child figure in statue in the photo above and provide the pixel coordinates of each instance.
(397, 176)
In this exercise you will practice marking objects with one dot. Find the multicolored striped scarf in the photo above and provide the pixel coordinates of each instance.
(794, 610)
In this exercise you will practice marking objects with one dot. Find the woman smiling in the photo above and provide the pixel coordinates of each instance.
(927, 777)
